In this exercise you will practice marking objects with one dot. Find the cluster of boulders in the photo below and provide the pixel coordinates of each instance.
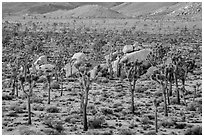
(130, 53)
(188, 9)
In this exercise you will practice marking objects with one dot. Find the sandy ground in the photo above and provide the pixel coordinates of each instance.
(109, 101)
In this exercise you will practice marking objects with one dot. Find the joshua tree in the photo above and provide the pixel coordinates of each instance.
(170, 77)
(160, 78)
(31, 79)
(14, 79)
(48, 77)
(182, 66)
(133, 71)
(85, 82)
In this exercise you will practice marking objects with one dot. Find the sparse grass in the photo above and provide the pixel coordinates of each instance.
(194, 106)
(54, 123)
(191, 107)
(12, 114)
(55, 85)
(167, 122)
(180, 125)
(110, 132)
(17, 108)
(42, 79)
(174, 101)
(158, 93)
(195, 130)
(96, 122)
(140, 89)
(27, 131)
(145, 120)
(38, 107)
(102, 80)
(151, 133)
(50, 131)
(36, 99)
(150, 116)
(72, 119)
(106, 111)
(125, 132)
(52, 109)
(7, 97)
(115, 105)
(68, 119)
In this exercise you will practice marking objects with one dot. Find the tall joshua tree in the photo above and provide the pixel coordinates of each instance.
(85, 81)
(160, 78)
(133, 71)
(31, 79)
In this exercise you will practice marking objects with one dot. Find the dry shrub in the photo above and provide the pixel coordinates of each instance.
(12, 114)
(7, 97)
(125, 132)
(52, 109)
(55, 85)
(195, 130)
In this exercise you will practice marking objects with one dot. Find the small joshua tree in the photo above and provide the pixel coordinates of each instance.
(170, 77)
(85, 82)
(48, 77)
(160, 78)
(15, 84)
(156, 104)
(133, 72)
(31, 79)
(182, 66)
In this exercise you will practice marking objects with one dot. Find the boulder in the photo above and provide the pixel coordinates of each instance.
(93, 72)
(78, 59)
(41, 60)
(140, 55)
(114, 56)
(70, 70)
(137, 46)
(128, 49)
(79, 56)
(47, 67)
(115, 65)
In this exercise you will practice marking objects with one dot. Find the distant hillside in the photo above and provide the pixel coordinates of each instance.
(140, 8)
(15, 7)
(46, 7)
(20, 8)
(49, 8)
(88, 11)
(105, 9)
(104, 4)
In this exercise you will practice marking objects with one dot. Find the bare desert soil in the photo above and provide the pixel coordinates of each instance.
(110, 102)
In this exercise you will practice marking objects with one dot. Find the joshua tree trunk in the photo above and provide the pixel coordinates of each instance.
(48, 92)
(132, 90)
(176, 82)
(28, 97)
(167, 92)
(14, 86)
(165, 103)
(177, 90)
(183, 88)
(132, 99)
(195, 90)
(170, 88)
(84, 108)
(61, 87)
(81, 95)
(29, 110)
(156, 126)
(17, 88)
